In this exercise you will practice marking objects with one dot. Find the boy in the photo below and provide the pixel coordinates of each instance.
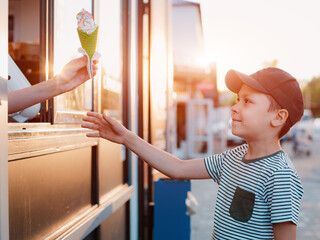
(259, 190)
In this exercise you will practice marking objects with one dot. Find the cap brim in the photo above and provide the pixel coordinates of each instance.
(234, 80)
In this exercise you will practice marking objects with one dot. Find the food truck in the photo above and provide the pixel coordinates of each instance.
(55, 182)
(194, 85)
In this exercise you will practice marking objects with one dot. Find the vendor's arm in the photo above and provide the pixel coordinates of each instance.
(73, 74)
(285, 231)
(166, 163)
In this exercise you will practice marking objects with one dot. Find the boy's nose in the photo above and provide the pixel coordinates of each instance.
(234, 108)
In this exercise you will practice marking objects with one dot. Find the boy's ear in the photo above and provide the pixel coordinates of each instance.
(280, 118)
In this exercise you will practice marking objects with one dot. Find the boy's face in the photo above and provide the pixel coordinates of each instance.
(250, 116)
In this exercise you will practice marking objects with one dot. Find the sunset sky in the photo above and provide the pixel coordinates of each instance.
(243, 34)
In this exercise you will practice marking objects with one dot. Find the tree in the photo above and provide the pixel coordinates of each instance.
(311, 94)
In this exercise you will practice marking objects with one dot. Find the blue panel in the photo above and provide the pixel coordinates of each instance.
(170, 212)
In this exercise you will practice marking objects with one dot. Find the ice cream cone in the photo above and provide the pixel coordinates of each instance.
(88, 41)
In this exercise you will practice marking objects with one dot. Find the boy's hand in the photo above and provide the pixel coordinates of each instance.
(107, 127)
(75, 73)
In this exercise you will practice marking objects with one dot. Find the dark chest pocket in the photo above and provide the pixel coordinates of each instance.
(242, 204)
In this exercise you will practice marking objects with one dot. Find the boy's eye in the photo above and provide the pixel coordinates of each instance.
(246, 100)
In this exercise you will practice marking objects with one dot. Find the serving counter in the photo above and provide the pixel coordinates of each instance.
(64, 185)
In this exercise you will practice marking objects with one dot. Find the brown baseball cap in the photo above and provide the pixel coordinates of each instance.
(283, 87)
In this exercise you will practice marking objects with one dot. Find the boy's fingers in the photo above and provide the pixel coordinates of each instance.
(94, 114)
(91, 119)
(95, 134)
(90, 126)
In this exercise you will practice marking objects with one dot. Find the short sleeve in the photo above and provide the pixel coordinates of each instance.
(214, 166)
(283, 194)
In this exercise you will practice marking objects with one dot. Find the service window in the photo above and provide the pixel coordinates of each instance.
(71, 106)
(42, 39)
(110, 42)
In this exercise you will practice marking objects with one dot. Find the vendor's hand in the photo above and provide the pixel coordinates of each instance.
(106, 127)
(75, 73)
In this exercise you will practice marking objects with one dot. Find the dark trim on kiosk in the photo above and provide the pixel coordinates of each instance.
(150, 175)
(51, 55)
(43, 54)
(126, 79)
(125, 101)
(94, 103)
(141, 222)
(144, 195)
(94, 176)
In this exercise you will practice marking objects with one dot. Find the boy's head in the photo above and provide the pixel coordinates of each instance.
(280, 87)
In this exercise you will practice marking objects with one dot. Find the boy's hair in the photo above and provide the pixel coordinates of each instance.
(274, 106)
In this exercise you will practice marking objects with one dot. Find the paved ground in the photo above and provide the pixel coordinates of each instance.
(202, 222)
(308, 168)
(309, 171)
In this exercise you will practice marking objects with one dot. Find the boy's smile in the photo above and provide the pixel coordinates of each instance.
(250, 115)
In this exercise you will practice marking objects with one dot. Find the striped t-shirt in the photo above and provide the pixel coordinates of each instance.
(253, 194)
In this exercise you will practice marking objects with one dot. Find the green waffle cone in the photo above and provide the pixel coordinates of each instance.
(88, 41)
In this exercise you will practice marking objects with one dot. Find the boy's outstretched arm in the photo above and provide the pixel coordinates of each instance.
(166, 163)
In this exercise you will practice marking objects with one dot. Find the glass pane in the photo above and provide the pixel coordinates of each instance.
(24, 49)
(24, 37)
(110, 46)
(159, 72)
(66, 44)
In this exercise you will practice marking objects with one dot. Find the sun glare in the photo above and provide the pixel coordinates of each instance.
(223, 64)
